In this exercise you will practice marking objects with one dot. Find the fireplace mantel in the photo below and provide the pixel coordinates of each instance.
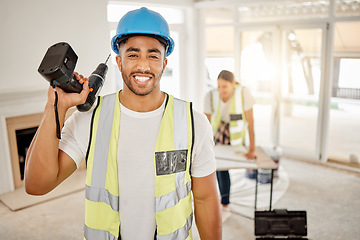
(15, 103)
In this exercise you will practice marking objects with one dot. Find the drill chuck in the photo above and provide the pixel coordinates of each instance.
(96, 81)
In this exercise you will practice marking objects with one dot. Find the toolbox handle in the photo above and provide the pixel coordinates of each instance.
(271, 188)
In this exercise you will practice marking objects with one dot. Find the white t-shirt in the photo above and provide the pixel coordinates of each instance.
(136, 147)
(249, 102)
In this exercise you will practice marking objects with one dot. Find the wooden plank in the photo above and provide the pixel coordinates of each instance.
(230, 157)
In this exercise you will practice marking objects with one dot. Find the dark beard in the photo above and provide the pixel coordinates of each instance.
(127, 81)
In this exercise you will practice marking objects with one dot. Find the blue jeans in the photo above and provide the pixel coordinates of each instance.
(224, 182)
(222, 137)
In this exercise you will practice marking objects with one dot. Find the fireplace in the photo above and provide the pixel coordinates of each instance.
(14, 105)
(20, 130)
(20, 114)
(20, 133)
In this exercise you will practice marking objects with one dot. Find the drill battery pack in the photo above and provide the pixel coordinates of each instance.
(58, 66)
(280, 222)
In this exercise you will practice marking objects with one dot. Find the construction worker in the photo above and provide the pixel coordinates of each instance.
(145, 150)
(229, 108)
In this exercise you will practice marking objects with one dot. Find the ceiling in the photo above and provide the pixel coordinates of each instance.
(346, 33)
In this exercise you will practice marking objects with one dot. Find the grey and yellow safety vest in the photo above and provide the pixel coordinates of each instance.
(238, 123)
(172, 163)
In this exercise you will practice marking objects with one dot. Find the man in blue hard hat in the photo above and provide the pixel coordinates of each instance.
(149, 155)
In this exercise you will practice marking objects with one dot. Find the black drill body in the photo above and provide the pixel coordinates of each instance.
(58, 66)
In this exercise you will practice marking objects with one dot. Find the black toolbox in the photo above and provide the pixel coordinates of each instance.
(280, 222)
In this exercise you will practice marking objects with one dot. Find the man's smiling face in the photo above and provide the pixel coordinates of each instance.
(141, 61)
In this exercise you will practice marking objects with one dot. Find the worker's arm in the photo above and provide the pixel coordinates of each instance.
(250, 120)
(46, 166)
(207, 207)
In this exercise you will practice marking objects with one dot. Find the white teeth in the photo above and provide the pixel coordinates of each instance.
(142, 79)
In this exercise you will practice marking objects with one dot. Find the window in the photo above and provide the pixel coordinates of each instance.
(214, 65)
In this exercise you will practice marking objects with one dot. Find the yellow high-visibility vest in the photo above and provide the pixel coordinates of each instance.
(172, 163)
(238, 123)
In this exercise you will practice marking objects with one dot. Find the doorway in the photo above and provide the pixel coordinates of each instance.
(301, 77)
(283, 67)
(258, 68)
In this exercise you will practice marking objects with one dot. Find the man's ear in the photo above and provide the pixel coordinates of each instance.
(118, 61)
(164, 64)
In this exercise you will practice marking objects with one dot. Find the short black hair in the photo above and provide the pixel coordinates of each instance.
(124, 38)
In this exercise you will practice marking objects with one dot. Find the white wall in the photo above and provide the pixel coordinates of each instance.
(28, 28)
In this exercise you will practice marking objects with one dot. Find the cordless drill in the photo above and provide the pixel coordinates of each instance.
(58, 66)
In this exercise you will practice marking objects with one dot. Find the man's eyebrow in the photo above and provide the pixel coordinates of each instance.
(154, 50)
(132, 49)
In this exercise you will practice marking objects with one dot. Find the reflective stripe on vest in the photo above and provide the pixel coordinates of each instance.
(238, 123)
(172, 161)
(102, 192)
(173, 204)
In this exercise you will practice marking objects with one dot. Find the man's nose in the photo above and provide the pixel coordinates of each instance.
(143, 64)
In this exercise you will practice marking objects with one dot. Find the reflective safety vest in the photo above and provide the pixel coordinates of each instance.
(238, 123)
(172, 163)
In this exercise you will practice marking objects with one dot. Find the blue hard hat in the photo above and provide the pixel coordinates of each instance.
(143, 22)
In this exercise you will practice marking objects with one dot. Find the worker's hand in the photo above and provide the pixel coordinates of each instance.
(68, 100)
(251, 155)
